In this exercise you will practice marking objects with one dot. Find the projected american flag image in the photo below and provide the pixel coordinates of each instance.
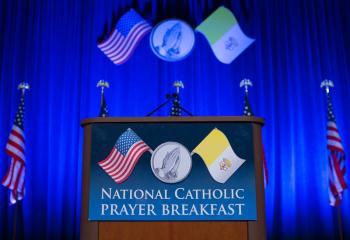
(121, 161)
(120, 45)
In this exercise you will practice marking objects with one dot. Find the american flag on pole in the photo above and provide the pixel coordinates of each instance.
(120, 45)
(14, 179)
(247, 111)
(103, 107)
(336, 158)
(121, 161)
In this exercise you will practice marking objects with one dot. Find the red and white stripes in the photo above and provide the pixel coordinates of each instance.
(119, 48)
(336, 159)
(14, 178)
(120, 167)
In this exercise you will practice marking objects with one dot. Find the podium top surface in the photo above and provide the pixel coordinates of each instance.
(237, 119)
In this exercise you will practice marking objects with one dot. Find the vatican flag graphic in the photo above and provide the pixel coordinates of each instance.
(218, 155)
(225, 36)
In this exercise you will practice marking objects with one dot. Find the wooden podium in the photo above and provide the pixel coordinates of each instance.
(174, 230)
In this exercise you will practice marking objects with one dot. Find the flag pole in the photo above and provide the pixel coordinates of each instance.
(246, 83)
(102, 84)
(23, 87)
(176, 108)
(15, 217)
(327, 84)
(340, 224)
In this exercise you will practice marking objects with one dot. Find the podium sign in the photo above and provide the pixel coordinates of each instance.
(188, 188)
(173, 170)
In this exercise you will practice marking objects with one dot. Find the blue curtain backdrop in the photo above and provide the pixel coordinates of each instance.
(52, 45)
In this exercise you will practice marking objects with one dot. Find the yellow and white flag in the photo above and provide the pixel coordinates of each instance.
(224, 35)
(218, 155)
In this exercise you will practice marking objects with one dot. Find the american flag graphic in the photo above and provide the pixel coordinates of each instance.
(130, 29)
(122, 159)
(14, 179)
(336, 158)
(247, 111)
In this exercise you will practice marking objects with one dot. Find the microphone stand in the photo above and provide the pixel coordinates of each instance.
(169, 98)
(176, 108)
(175, 98)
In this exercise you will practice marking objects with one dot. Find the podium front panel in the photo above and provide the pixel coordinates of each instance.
(183, 171)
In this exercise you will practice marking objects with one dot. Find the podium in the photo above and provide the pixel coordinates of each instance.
(177, 229)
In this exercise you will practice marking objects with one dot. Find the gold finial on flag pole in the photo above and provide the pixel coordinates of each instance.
(102, 84)
(327, 84)
(246, 83)
(178, 85)
(23, 86)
